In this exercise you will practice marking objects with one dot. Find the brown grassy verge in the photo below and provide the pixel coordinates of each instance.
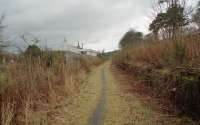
(158, 112)
(33, 85)
(170, 69)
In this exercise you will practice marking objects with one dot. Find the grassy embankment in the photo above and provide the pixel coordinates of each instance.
(31, 86)
(170, 69)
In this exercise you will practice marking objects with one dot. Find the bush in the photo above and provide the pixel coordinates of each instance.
(33, 51)
(171, 69)
(179, 54)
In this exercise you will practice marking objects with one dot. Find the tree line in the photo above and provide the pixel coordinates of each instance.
(174, 18)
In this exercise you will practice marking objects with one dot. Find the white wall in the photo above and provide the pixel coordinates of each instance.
(91, 53)
(73, 49)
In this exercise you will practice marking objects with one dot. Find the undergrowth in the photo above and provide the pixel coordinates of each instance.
(170, 68)
(31, 85)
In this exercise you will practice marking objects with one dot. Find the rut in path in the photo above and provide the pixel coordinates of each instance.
(97, 115)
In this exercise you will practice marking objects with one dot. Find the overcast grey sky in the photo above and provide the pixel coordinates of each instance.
(99, 24)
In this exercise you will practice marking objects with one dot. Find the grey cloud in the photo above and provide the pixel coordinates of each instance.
(96, 22)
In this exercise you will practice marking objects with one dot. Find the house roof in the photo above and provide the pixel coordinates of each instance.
(74, 48)
(89, 50)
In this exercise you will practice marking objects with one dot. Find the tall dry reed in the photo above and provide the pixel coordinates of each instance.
(170, 68)
(33, 84)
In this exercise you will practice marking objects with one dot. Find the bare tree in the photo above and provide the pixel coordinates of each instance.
(196, 16)
(170, 20)
(2, 42)
(131, 38)
(1, 27)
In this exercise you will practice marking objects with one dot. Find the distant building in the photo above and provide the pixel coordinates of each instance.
(79, 50)
(89, 52)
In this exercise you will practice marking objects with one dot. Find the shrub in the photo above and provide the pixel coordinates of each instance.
(33, 51)
(179, 54)
(171, 69)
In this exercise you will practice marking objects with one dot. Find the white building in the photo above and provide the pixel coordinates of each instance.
(79, 50)
(89, 52)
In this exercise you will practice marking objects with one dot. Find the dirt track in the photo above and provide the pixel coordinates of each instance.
(102, 101)
(97, 116)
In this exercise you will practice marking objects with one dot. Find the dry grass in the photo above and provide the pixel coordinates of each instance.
(161, 53)
(35, 85)
(170, 68)
(7, 113)
(125, 108)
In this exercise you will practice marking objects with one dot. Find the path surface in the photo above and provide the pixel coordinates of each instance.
(102, 101)
(97, 116)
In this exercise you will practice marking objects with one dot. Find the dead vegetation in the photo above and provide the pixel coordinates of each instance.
(33, 87)
(170, 69)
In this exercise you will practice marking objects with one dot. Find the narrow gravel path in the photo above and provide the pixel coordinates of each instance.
(97, 116)
(80, 107)
(102, 101)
